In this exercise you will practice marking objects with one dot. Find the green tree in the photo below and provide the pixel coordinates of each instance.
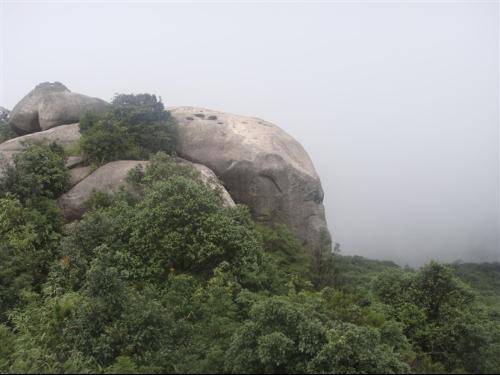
(7, 339)
(134, 127)
(181, 226)
(29, 238)
(441, 317)
(353, 349)
(37, 171)
(287, 251)
(292, 334)
(280, 336)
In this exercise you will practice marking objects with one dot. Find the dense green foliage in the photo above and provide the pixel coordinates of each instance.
(483, 277)
(30, 224)
(440, 318)
(134, 127)
(29, 237)
(38, 172)
(160, 277)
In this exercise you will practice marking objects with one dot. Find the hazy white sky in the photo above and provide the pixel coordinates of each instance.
(397, 103)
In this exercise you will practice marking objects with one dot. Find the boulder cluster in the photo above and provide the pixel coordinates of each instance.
(249, 160)
(49, 105)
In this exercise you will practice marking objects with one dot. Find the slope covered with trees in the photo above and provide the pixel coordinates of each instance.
(161, 277)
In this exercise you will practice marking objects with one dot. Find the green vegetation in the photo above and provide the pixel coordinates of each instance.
(38, 172)
(484, 278)
(134, 127)
(161, 278)
(6, 132)
(30, 224)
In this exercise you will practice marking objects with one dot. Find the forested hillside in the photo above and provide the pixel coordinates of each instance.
(162, 277)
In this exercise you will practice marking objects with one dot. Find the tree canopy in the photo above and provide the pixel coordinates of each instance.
(134, 127)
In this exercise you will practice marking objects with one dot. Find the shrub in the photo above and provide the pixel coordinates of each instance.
(353, 349)
(106, 141)
(29, 238)
(286, 249)
(181, 226)
(441, 317)
(38, 171)
(289, 335)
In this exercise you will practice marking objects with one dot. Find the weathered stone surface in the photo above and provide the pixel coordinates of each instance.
(260, 166)
(78, 174)
(6, 159)
(209, 177)
(49, 105)
(108, 178)
(73, 161)
(65, 136)
(111, 177)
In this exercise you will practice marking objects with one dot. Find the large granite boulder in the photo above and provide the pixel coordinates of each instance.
(111, 177)
(49, 105)
(260, 166)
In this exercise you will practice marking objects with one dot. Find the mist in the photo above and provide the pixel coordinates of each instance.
(397, 104)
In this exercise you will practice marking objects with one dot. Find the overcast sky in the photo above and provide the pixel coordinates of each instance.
(396, 103)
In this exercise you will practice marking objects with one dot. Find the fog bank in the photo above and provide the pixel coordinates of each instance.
(397, 104)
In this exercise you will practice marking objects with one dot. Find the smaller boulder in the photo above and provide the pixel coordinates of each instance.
(74, 161)
(78, 174)
(65, 136)
(111, 177)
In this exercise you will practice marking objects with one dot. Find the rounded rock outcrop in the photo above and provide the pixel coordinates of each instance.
(65, 136)
(109, 179)
(112, 176)
(252, 161)
(49, 105)
(261, 166)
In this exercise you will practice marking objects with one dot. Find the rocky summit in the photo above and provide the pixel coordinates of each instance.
(260, 165)
(49, 105)
(251, 161)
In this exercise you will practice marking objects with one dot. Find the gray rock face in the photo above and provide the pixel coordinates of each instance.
(6, 160)
(78, 174)
(65, 136)
(110, 178)
(49, 105)
(209, 178)
(260, 166)
(73, 161)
